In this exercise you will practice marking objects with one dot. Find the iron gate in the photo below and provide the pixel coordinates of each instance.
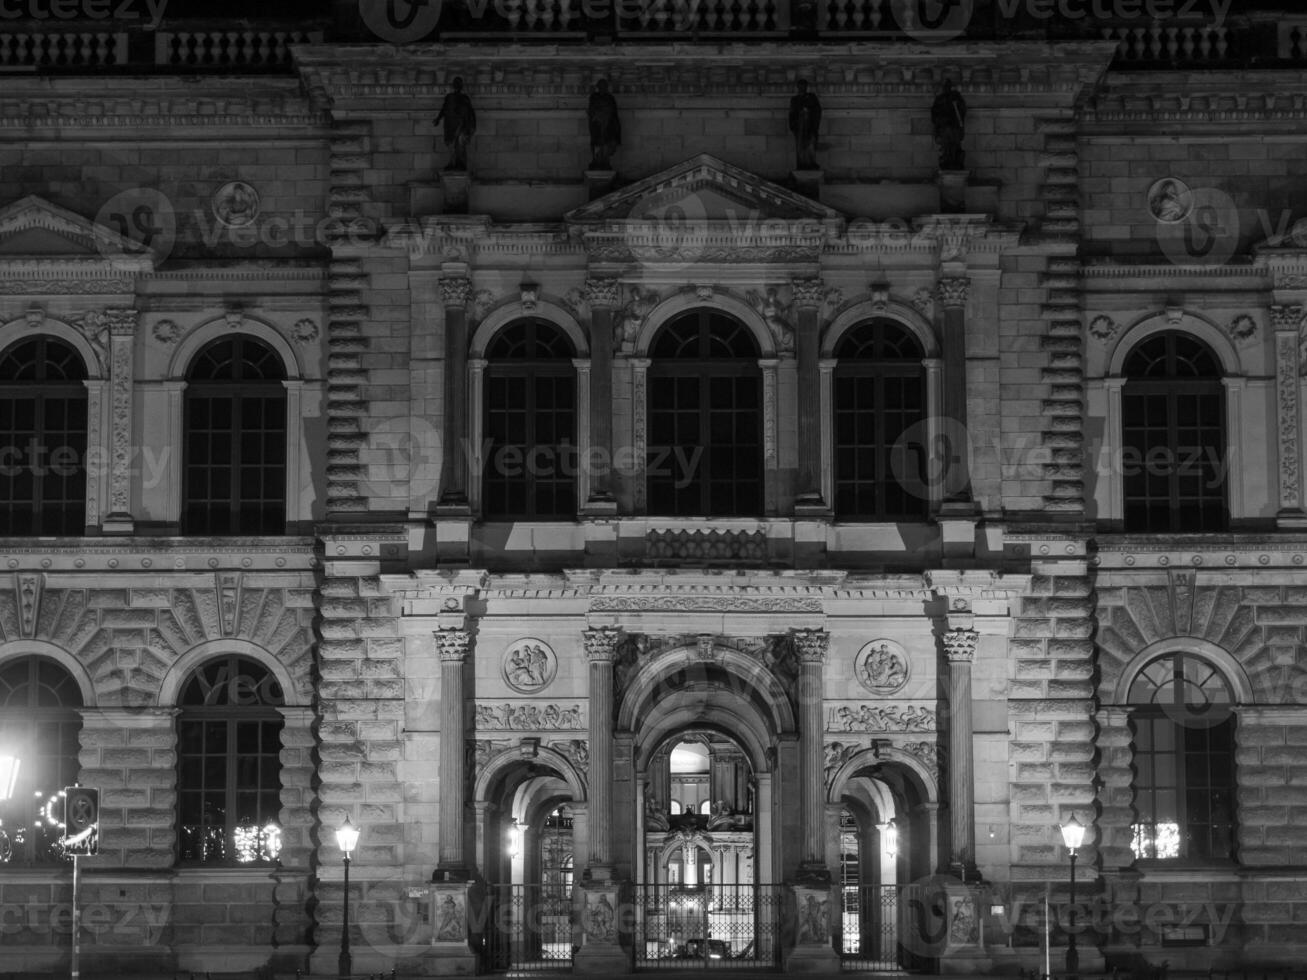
(714, 927)
(879, 927)
(527, 928)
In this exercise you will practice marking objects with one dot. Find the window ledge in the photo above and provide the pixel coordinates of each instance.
(1154, 869)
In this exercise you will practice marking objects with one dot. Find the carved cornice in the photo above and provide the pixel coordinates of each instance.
(855, 69)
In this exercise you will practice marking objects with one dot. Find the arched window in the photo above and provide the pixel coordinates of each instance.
(40, 725)
(879, 397)
(235, 442)
(1183, 760)
(42, 439)
(705, 419)
(229, 754)
(530, 424)
(1173, 436)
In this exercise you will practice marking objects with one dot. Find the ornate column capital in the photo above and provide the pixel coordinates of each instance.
(960, 645)
(1286, 317)
(453, 643)
(808, 293)
(455, 291)
(811, 645)
(601, 643)
(605, 292)
(121, 320)
(952, 291)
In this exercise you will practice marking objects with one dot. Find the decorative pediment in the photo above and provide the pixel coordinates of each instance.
(704, 210)
(47, 248)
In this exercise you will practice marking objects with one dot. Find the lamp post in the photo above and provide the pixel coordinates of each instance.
(347, 835)
(1073, 835)
(8, 775)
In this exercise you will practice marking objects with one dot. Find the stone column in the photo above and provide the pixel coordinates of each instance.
(811, 646)
(451, 894)
(960, 648)
(604, 295)
(453, 644)
(1287, 320)
(122, 335)
(455, 291)
(583, 423)
(770, 439)
(952, 293)
(601, 951)
(476, 373)
(807, 307)
(600, 646)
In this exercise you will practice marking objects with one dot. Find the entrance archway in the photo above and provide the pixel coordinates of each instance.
(712, 732)
(528, 802)
(884, 839)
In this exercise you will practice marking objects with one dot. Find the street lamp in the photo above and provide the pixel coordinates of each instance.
(891, 838)
(1073, 835)
(347, 835)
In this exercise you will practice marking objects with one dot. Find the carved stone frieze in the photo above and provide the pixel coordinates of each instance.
(706, 603)
(880, 718)
(94, 326)
(526, 716)
(934, 755)
(698, 545)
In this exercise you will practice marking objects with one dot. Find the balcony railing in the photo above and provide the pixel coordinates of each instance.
(255, 46)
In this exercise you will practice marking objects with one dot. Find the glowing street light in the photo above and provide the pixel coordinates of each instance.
(1073, 835)
(347, 836)
(8, 775)
(891, 838)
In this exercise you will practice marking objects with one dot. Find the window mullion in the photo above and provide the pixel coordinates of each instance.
(229, 820)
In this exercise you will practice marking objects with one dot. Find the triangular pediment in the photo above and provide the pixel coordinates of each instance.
(704, 212)
(32, 227)
(703, 188)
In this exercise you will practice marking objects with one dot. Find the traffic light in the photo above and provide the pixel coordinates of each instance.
(81, 821)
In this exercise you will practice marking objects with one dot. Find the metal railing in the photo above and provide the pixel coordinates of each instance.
(526, 929)
(878, 927)
(708, 927)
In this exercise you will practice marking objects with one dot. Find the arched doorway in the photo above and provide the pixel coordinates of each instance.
(711, 730)
(885, 843)
(529, 801)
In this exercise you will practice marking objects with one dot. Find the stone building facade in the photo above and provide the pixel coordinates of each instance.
(697, 559)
